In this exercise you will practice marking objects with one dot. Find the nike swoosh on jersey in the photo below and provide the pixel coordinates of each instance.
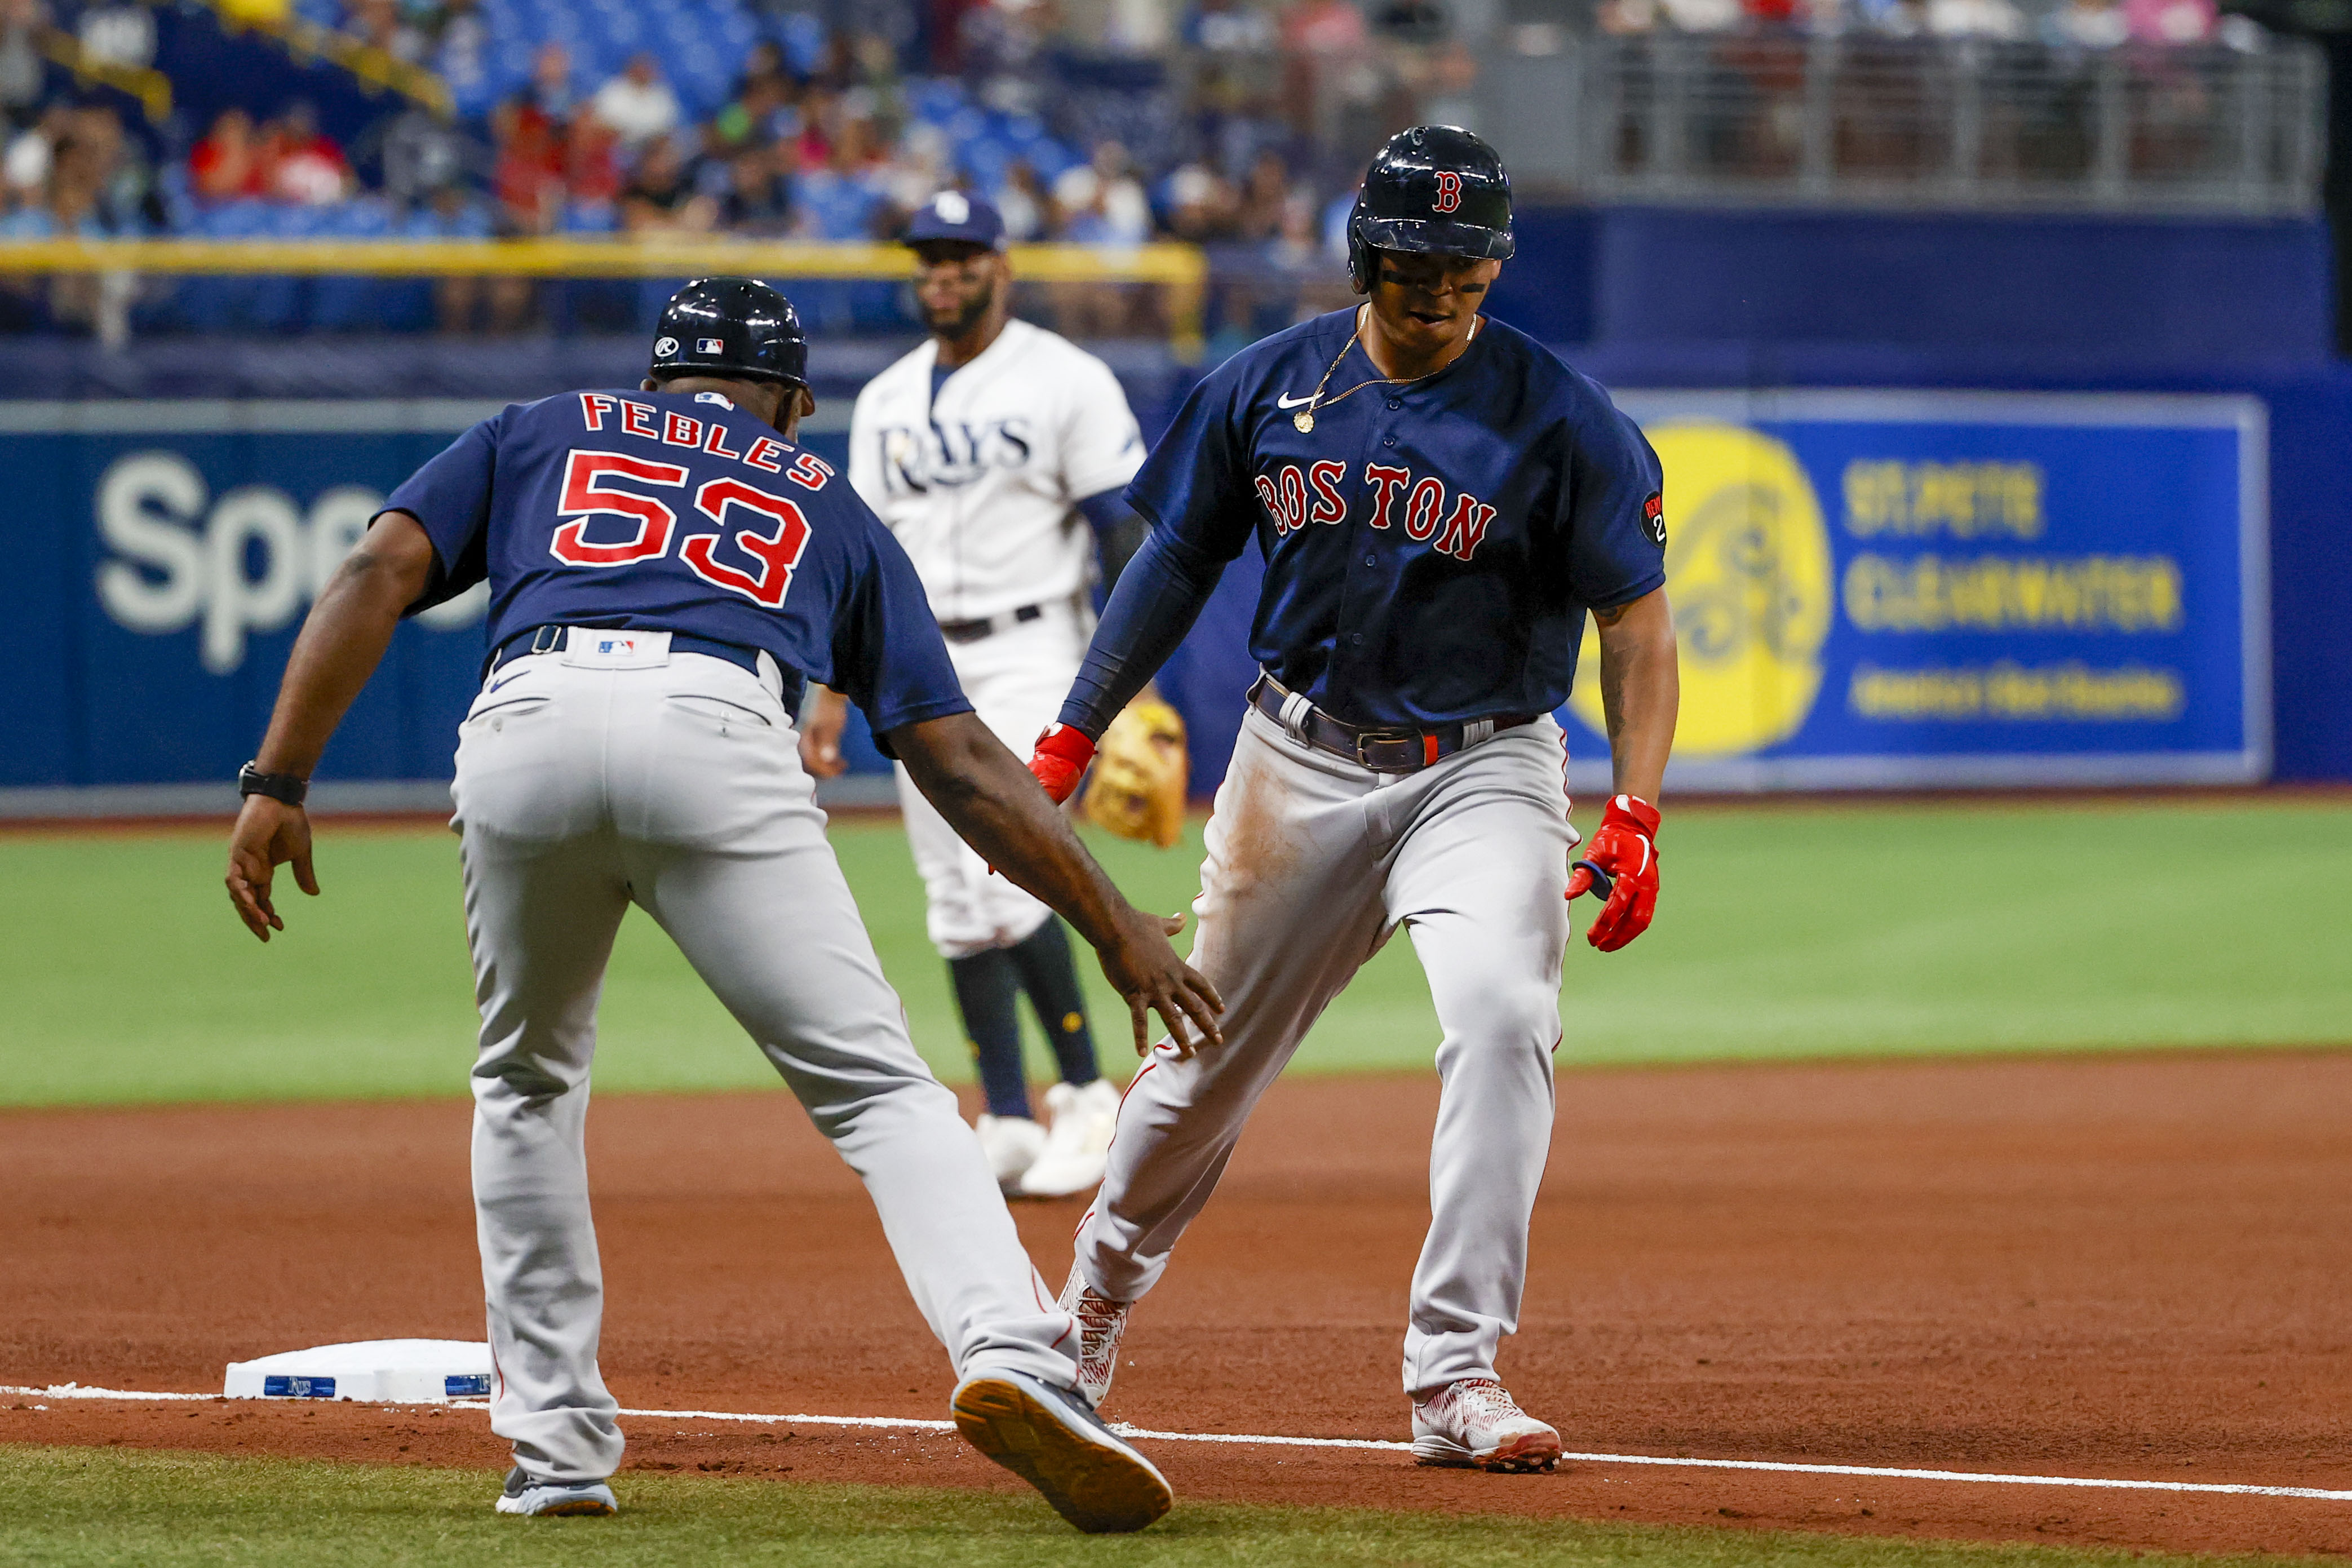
(1287, 401)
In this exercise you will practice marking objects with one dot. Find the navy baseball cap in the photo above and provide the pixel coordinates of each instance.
(956, 214)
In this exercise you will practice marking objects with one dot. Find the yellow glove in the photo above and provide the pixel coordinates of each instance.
(1137, 789)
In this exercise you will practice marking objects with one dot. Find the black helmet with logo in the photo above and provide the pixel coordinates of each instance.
(734, 327)
(1435, 188)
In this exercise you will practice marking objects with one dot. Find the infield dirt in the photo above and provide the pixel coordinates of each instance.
(2117, 1267)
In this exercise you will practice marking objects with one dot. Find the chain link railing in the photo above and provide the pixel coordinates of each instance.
(1886, 122)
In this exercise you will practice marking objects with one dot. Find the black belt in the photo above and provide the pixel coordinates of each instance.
(550, 640)
(972, 631)
(1384, 749)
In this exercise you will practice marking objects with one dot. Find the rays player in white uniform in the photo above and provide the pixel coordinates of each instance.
(996, 452)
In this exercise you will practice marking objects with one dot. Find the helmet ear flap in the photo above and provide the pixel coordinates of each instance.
(1359, 254)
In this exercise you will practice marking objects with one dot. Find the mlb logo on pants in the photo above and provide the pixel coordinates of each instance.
(618, 649)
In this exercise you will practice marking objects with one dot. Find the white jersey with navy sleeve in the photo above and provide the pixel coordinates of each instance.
(978, 475)
(979, 483)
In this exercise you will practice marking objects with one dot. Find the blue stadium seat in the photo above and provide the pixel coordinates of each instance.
(985, 159)
(350, 303)
(224, 304)
(589, 218)
(934, 99)
(804, 39)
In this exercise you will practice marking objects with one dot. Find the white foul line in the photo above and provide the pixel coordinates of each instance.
(911, 1423)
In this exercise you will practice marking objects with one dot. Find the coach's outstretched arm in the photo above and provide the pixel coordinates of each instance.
(991, 800)
(342, 643)
(1641, 694)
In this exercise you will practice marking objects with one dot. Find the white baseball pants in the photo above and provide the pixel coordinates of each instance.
(677, 786)
(1016, 680)
(1313, 863)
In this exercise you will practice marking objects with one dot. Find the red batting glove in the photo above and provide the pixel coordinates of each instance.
(1061, 759)
(1625, 845)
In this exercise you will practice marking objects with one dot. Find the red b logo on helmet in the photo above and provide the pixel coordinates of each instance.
(1449, 191)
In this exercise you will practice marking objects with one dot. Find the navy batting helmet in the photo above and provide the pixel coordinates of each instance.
(734, 327)
(1435, 188)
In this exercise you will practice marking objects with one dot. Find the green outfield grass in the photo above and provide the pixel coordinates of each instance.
(100, 1508)
(1784, 931)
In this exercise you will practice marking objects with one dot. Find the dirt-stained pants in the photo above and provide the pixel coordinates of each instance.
(677, 787)
(1313, 862)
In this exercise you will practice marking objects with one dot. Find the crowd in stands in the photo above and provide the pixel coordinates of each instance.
(1236, 124)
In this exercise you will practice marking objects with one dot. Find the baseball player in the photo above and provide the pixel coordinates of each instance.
(982, 450)
(667, 567)
(1439, 500)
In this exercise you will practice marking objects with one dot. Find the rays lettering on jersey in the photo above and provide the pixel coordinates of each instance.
(1294, 498)
(917, 461)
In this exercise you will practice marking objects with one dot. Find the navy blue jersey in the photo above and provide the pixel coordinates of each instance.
(1430, 547)
(680, 512)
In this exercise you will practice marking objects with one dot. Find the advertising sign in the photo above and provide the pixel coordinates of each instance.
(1921, 589)
(1875, 589)
(171, 550)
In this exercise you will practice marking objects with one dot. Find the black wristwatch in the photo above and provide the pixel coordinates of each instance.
(288, 787)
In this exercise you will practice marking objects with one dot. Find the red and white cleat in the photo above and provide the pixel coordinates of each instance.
(1101, 1321)
(1476, 1422)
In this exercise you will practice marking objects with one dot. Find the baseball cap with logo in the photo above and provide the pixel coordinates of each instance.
(956, 214)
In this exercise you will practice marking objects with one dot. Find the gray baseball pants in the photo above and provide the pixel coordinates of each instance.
(1313, 863)
(677, 786)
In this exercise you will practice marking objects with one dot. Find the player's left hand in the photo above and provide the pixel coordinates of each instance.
(1625, 845)
(269, 833)
(1060, 760)
(821, 729)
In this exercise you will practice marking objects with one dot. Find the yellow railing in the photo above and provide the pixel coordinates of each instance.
(152, 88)
(306, 39)
(1179, 269)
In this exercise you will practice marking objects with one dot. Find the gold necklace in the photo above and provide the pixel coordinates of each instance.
(1304, 420)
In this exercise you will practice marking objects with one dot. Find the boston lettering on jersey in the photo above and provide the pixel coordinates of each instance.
(680, 512)
(1423, 514)
(1431, 546)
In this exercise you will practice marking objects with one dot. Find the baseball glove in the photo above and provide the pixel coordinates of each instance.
(1136, 790)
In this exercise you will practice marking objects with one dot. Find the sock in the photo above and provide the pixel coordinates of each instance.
(985, 985)
(1051, 978)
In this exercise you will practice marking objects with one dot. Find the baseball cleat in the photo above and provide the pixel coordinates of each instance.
(552, 1500)
(1101, 1321)
(1052, 1439)
(1012, 1144)
(1078, 1145)
(1475, 1423)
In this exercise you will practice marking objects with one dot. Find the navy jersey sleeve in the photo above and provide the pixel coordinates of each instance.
(888, 654)
(1196, 483)
(1615, 526)
(451, 497)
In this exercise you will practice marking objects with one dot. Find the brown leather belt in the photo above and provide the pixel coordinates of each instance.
(1384, 749)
